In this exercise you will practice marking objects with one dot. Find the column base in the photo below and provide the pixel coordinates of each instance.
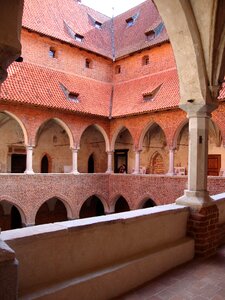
(195, 199)
(28, 172)
(109, 172)
(170, 174)
(75, 173)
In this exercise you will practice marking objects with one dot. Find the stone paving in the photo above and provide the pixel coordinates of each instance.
(198, 280)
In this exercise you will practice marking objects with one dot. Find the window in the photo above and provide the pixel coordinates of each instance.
(88, 63)
(78, 37)
(52, 52)
(73, 97)
(150, 35)
(98, 25)
(149, 96)
(118, 69)
(145, 60)
(130, 22)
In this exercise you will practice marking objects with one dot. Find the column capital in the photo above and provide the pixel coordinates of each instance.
(199, 110)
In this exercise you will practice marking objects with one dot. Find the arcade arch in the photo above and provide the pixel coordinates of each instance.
(11, 216)
(92, 207)
(154, 155)
(53, 140)
(92, 156)
(52, 210)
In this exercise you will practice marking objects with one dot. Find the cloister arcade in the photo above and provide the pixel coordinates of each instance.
(153, 152)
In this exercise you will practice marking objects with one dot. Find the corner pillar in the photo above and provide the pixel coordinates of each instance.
(204, 216)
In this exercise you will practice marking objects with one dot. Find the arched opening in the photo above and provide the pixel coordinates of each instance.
(10, 217)
(92, 156)
(12, 145)
(53, 139)
(148, 203)
(154, 155)
(121, 205)
(51, 211)
(124, 155)
(16, 221)
(92, 207)
(91, 164)
(181, 154)
(45, 164)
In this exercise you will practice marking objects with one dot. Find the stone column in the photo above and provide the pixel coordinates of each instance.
(137, 162)
(29, 166)
(196, 194)
(109, 168)
(171, 162)
(204, 216)
(74, 161)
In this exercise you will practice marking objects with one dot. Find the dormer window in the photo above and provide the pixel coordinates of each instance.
(70, 96)
(145, 60)
(73, 97)
(78, 37)
(118, 69)
(150, 35)
(88, 63)
(130, 22)
(98, 25)
(52, 52)
(150, 96)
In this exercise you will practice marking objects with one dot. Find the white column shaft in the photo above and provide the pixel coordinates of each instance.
(29, 161)
(75, 161)
(171, 162)
(109, 168)
(137, 163)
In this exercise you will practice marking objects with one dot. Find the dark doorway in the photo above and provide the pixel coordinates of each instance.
(16, 221)
(91, 164)
(214, 164)
(120, 158)
(148, 203)
(92, 207)
(44, 164)
(121, 205)
(18, 163)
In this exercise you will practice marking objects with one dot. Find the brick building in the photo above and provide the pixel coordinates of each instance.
(94, 93)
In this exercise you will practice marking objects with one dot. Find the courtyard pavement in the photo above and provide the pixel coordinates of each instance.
(197, 280)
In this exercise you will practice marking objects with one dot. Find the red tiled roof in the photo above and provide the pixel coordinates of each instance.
(47, 17)
(31, 84)
(133, 38)
(128, 95)
(50, 16)
(222, 92)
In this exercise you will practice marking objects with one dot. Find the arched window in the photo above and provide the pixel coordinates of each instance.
(88, 63)
(148, 203)
(118, 69)
(16, 221)
(145, 60)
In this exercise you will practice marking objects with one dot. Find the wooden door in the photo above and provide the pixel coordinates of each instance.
(214, 164)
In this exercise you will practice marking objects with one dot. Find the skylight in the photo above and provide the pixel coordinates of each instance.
(78, 37)
(98, 25)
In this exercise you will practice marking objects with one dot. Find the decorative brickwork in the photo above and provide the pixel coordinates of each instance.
(203, 227)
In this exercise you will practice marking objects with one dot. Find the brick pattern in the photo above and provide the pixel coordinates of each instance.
(203, 227)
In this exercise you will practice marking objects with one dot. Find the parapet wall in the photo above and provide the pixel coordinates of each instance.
(99, 258)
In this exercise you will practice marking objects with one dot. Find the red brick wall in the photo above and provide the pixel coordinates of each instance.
(160, 58)
(68, 59)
